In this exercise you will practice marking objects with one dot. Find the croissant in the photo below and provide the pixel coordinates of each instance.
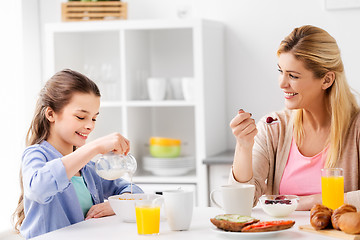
(340, 211)
(350, 222)
(320, 216)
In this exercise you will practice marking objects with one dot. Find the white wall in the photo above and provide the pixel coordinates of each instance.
(10, 92)
(254, 29)
(20, 74)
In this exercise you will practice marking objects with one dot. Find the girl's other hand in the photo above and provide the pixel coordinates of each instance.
(113, 142)
(244, 128)
(100, 210)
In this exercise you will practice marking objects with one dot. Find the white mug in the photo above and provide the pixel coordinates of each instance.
(156, 88)
(179, 206)
(188, 87)
(236, 199)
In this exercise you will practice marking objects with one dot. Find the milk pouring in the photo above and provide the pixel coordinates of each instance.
(111, 166)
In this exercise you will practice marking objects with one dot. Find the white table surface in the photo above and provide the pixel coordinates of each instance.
(201, 228)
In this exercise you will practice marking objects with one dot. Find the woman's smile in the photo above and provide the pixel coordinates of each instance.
(289, 95)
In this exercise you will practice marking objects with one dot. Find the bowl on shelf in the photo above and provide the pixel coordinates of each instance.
(168, 166)
(165, 147)
(279, 205)
(124, 205)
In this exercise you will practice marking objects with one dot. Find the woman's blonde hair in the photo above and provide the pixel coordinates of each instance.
(56, 94)
(319, 52)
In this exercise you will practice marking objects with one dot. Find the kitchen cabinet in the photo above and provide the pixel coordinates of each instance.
(218, 167)
(121, 55)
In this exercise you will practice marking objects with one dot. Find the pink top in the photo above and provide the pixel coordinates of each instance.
(302, 175)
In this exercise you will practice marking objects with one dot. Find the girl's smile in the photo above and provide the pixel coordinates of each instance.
(83, 135)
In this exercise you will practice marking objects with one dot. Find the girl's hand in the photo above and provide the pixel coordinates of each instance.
(244, 129)
(100, 210)
(113, 142)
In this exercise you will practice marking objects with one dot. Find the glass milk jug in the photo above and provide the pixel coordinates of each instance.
(111, 166)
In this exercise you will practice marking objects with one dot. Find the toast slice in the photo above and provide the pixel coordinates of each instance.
(269, 226)
(232, 222)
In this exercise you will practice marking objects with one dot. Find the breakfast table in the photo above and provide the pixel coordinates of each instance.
(112, 227)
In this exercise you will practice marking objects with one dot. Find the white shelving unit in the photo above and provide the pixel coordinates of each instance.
(121, 55)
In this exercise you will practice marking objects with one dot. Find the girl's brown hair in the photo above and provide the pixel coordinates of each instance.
(318, 50)
(56, 94)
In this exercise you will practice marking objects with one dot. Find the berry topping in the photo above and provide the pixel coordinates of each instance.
(279, 200)
(281, 197)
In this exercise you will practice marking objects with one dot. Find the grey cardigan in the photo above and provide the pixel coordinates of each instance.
(271, 151)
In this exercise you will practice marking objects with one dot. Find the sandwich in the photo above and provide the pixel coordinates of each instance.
(232, 222)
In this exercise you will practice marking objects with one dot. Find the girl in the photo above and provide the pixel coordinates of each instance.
(320, 128)
(59, 184)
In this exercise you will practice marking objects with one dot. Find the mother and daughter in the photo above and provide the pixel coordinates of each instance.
(319, 128)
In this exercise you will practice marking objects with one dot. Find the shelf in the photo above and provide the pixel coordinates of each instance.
(166, 103)
(121, 55)
(146, 103)
(111, 104)
(128, 24)
(226, 157)
(148, 178)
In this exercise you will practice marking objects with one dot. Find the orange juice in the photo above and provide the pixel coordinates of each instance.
(148, 219)
(332, 191)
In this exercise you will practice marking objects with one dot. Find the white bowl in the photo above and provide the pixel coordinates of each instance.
(279, 205)
(124, 205)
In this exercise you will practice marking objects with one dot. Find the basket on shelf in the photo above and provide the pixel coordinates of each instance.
(88, 11)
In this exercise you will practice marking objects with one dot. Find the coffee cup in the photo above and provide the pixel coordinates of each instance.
(236, 199)
(179, 206)
(188, 88)
(156, 88)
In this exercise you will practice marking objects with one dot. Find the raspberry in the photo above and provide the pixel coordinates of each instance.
(281, 197)
(270, 119)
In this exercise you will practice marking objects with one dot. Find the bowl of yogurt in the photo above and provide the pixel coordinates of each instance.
(279, 205)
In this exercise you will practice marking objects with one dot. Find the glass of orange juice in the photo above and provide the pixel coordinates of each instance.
(332, 187)
(148, 216)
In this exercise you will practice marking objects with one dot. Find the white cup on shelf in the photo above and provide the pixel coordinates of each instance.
(156, 88)
(188, 87)
(176, 88)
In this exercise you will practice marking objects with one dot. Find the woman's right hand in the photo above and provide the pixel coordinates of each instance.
(114, 142)
(244, 129)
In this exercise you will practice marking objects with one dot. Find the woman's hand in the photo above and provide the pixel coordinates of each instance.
(113, 142)
(307, 202)
(100, 210)
(244, 129)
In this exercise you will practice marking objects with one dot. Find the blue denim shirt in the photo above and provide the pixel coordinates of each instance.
(50, 200)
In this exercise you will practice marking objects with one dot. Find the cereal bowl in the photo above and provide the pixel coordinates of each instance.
(124, 205)
(279, 205)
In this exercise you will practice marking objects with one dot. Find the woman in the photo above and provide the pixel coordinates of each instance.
(319, 128)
